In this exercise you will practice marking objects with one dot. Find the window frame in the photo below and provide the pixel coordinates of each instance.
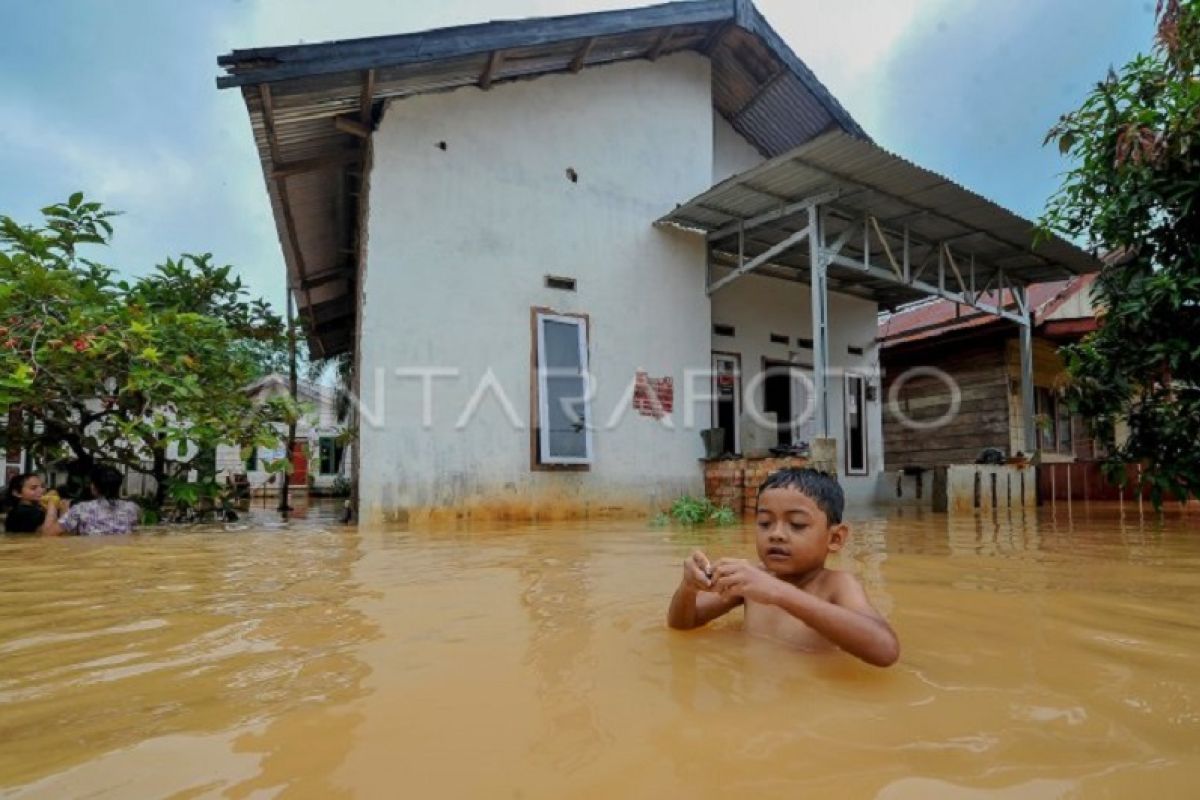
(539, 455)
(335, 447)
(1064, 424)
(1051, 405)
(714, 404)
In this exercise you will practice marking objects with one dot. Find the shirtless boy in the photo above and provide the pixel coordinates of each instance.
(791, 595)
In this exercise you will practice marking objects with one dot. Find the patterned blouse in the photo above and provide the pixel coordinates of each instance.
(101, 517)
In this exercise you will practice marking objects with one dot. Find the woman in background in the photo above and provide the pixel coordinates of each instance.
(28, 513)
(106, 514)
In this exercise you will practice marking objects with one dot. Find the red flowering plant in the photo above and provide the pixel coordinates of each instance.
(147, 373)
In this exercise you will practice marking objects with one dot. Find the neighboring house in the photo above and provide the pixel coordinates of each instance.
(979, 354)
(660, 210)
(320, 458)
(321, 455)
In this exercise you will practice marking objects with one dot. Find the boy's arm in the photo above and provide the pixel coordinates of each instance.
(694, 603)
(847, 619)
(692, 608)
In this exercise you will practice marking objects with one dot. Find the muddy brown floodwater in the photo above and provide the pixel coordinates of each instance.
(1044, 656)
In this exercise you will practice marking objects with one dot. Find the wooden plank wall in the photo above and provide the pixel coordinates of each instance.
(982, 421)
(1049, 372)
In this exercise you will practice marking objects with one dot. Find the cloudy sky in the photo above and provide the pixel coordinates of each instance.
(118, 98)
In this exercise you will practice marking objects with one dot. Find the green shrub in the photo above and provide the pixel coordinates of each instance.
(691, 511)
(723, 515)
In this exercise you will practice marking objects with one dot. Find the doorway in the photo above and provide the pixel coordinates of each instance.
(787, 392)
(299, 476)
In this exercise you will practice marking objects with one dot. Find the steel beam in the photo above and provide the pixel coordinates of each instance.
(897, 272)
(1027, 403)
(772, 215)
(820, 318)
(760, 259)
(883, 274)
(971, 229)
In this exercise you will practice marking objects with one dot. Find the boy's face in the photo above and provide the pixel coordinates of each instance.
(794, 535)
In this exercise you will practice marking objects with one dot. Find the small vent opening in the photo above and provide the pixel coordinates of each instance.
(854, 351)
(722, 330)
(805, 343)
(560, 282)
(778, 338)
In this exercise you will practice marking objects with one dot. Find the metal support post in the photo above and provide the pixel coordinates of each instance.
(1027, 404)
(820, 319)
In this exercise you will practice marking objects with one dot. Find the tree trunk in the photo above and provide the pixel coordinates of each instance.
(159, 471)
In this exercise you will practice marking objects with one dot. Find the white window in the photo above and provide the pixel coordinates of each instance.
(564, 414)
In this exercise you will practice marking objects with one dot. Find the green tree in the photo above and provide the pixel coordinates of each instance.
(108, 369)
(1132, 193)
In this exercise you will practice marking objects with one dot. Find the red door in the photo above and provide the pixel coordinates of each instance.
(299, 476)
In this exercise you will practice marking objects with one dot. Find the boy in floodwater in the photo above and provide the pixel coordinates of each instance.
(790, 595)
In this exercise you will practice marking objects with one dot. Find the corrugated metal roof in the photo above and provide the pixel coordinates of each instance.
(873, 181)
(759, 85)
(934, 319)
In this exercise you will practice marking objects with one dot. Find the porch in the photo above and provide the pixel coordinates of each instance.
(853, 223)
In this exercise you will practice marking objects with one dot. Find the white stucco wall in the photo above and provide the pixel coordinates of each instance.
(731, 153)
(460, 240)
(758, 306)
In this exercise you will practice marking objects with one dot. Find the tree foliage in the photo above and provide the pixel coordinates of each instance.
(1133, 194)
(105, 368)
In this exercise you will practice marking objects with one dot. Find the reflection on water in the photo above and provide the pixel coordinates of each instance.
(1047, 655)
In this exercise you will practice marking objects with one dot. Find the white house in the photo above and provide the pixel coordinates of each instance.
(560, 248)
(322, 455)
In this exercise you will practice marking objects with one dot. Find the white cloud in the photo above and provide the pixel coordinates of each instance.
(280, 22)
(848, 45)
(121, 176)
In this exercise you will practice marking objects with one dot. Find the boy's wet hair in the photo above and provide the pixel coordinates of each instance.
(822, 487)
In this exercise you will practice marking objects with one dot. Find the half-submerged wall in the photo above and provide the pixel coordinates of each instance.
(478, 196)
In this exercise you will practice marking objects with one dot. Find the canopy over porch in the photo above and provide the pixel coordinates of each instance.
(840, 212)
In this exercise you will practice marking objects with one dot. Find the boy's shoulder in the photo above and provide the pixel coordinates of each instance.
(832, 583)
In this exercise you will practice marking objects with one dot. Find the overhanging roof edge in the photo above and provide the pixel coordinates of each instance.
(348, 55)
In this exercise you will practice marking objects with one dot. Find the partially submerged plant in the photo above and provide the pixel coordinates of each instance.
(688, 510)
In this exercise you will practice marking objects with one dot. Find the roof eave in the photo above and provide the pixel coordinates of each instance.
(270, 64)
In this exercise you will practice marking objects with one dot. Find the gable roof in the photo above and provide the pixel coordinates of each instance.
(314, 392)
(941, 317)
(312, 106)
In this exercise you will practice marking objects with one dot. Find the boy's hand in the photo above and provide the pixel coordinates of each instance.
(737, 577)
(696, 570)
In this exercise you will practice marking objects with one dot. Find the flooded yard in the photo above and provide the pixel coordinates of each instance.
(1045, 656)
